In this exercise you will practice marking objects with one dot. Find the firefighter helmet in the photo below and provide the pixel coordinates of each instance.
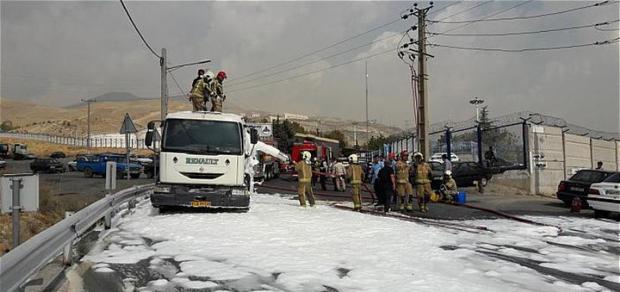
(221, 75)
(210, 75)
(306, 155)
(353, 158)
(418, 154)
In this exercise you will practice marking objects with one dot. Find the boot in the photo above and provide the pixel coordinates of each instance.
(409, 207)
(401, 207)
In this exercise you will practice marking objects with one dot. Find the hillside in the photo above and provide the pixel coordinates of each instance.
(107, 116)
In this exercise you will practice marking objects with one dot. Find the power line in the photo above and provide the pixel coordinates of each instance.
(527, 17)
(138, 31)
(317, 50)
(523, 32)
(599, 43)
(177, 83)
(607, 29)
(313, 72)
(315, 61)
(466, 10)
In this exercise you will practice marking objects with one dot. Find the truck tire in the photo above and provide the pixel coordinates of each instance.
(88, 173)
(135, 175)
(150, 174)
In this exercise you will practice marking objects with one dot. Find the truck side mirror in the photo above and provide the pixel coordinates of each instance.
(253, 136)
(148, 139)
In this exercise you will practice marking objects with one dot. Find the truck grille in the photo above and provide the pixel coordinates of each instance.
(197, 175)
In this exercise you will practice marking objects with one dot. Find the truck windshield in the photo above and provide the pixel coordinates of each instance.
(202, 137)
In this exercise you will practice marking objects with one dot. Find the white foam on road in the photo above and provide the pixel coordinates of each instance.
(313, 248)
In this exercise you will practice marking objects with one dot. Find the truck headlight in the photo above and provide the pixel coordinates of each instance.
(239, 192)
(161, 189)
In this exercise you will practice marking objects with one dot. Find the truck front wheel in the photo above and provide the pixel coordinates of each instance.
(88, 172)
(135, 175)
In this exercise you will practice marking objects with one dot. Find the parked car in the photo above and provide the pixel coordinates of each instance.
(73, 165)
(50, 165)
(97, 166)
(58, 154)
(464, 173)
(437, 157)
(579, 184)
(147, 165)
(2, 164)
(604, 197)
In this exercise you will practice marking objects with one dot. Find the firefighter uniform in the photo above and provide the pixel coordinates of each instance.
(403, 187)
(355, 174)
(218, 97)
(423, 185)
(449, 189)
(304, 172)
(198, 95)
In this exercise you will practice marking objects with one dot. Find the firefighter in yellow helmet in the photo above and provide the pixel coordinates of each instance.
(422, 181)
(304, 172)
(403, 187)
(355, 174)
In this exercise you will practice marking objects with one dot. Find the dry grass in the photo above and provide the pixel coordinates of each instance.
(44, 149)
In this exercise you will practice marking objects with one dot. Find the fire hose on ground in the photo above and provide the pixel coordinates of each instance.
(373, 197)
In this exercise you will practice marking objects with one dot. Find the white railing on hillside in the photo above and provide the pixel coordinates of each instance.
(95, 142)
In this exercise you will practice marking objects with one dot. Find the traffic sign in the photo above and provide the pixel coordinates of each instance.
(128, 126)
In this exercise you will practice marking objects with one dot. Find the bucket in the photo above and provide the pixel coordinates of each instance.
(461, 198)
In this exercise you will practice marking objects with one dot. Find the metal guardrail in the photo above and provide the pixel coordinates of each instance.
(17, 266)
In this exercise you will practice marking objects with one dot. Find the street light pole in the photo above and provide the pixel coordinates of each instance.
(477, 102)
(163, 63)
(367, 131)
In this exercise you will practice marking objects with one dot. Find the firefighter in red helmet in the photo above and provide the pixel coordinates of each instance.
(218, 92)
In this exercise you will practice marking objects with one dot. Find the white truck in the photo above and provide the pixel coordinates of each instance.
(203, 159)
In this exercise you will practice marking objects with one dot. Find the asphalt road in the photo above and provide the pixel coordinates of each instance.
(506, 203)
(71, 184)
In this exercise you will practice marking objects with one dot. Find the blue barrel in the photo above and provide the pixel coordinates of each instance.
(461, 198)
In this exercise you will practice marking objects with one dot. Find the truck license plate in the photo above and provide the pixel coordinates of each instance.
(198, 204)
(577, 189)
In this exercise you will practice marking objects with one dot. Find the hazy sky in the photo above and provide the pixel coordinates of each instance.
(58, 52)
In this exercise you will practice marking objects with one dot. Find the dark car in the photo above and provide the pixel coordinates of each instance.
(58, 154)
(579, 184)
(464, 173)
(47, 165)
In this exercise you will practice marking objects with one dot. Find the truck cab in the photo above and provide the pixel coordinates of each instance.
(202, 161)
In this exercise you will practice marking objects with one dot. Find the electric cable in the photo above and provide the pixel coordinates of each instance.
(599, 43)
(138, 31)
(521, 33)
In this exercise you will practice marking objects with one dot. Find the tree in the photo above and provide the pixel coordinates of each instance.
(376, 143)
(284, 133)
(6, 126)
(337, 135)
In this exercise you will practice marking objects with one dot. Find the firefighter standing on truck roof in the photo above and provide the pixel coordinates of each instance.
(197, 95)
(217, 91)
(422, 181)
(403, 187)
(356, 173)
(304, 172)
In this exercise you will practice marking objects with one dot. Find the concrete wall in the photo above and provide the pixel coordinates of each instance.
(617, 155)
(547, 141)
(604, 151)
(577, 151)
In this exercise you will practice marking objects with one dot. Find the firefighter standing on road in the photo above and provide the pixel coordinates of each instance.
(304, 172)
(217, 91)
(422, 181)
(403, 187)
(356, 173)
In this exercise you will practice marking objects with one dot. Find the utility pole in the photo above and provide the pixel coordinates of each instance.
(164, 84)
(88, 102)
(163, 63)
(423, 119)
(367, 132)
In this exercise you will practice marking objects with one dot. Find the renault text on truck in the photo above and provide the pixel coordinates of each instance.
(202, 160)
